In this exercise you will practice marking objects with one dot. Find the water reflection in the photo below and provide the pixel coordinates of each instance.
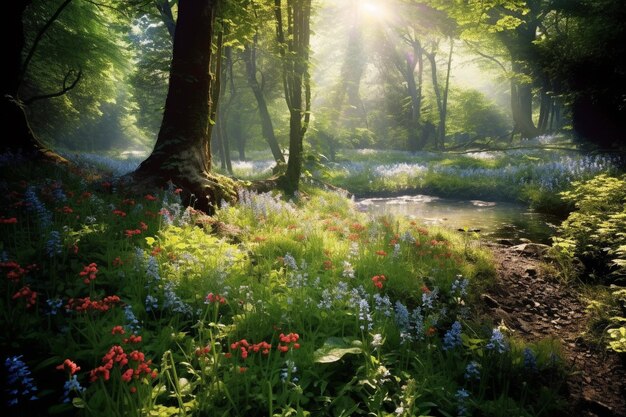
(494, 220)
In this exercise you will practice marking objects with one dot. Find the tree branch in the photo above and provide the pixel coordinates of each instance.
(40, 34)
(65, 89)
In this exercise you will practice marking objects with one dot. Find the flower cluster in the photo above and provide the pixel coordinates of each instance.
(378, 281)
(246, 348)
(89, 273)
(134, 362)
(214, 298)
(452, 338)
(19, 381)
(87, 304)
(15, 271)
(69, 366)
(29, 295)
(497, 342)
(10, 220)
(287, 341)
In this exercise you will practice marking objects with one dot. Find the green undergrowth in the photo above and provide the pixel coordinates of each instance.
(268, 308)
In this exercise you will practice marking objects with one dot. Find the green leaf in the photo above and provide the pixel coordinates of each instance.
(336, 348)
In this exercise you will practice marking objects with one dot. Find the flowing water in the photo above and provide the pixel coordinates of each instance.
(492, 220)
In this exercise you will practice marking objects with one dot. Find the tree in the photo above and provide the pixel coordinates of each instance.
(293, 34)
(22, 139)
(182, 150)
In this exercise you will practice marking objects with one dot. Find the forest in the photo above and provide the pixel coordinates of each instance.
(313, 208)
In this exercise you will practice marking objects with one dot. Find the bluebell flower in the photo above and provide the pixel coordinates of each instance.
(402, 316)
(418, 323)
(58, 194)
(34, 205)
(461, 397)
(383, 304)
(72, 385)
(459, 286)
(20, 384)
(396, 251)
(497, 341)
(452, 338)
(290, 261)
(472, 371)
(53, 245)
(530, 360)
(54, 305)
(152, 270)
(152, 303)
(429, 297)
(326, 303)
(288, 372)
(131, 320)
(364, 315)
(173, 302)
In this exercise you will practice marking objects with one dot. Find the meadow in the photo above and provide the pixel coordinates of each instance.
(119, 305)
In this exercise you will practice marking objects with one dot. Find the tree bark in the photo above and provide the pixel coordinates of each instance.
(294, 51)
(21, 138)
(182, 152)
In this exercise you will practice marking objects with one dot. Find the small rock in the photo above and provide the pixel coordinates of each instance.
(489, 300)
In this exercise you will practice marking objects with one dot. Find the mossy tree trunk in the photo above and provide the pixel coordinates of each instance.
(182, 152)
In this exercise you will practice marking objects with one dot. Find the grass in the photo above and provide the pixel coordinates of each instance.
(269, 308)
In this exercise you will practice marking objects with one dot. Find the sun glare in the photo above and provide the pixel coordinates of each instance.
(373, 9)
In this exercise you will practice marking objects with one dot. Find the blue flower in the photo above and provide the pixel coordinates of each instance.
(131, 319)
(152, 270)
(452, 338)
(497, 341)
(19, 380)
(383, 304)
(472, 371)
(461, 397)
(35, 205)
(429, 297)
(71, 385)
(364, 315)
(459, 286)
(290, 261)
(152, 303)
(54, 305)
(53, 245)
(530, 360)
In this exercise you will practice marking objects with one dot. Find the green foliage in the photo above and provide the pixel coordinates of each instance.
(267, 308)
(596, 231)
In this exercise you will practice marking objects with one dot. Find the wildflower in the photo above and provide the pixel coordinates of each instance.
(287, 373)
(29, 295)
(132, 232)
(418, 324)
(117, 330)
(118, 261)
(287, 341)
(35, 205)
(69, 366)
(383, 304)
(119, 213)
(497, 341)
(459, 286)
(54, 304)
(72, 385)
(452, 338)
(364, 315)
(19, 380)
(10, 220)
(143, 226)
(290, 261)
(429, 297)
(131, 319)
(133, 338)
(402, 317)
(378, 281)
(214, 298)
(377, 340)
(152, 303)
(202, 351)
(173, 302)
(152, 269)
(396, 251)
(89, 272)
(530, 360)
(348, 270)
(472, 371)
(150, 197)
(381, 253)
(461, 397)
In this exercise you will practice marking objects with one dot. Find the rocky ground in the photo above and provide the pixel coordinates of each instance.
(536, 306)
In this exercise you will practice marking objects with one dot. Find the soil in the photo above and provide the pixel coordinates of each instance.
(536, 306)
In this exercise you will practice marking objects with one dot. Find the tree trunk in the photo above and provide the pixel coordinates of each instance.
(416, 141)
(433, 71)
(21, 138)
(182, 151)
(165, 10)
(267, 128)
(441, 133)
(294, 51)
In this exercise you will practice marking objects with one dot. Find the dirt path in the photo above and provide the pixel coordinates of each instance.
(538, 307)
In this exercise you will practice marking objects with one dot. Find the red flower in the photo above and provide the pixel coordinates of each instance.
(214, 298)
(143, 226)
(378, 281)
(10, 220)
(133, 339)
(117, 261)
(119, 213)
(89, 272)
(67, 209)
(133, 390)
(28, 294)
(381, 253)
(130, 233)
(178, 191)
(70, 366)
(118, 330)
(150, 197)
(203, 351)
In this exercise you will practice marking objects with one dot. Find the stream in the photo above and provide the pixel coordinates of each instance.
(492, 220)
